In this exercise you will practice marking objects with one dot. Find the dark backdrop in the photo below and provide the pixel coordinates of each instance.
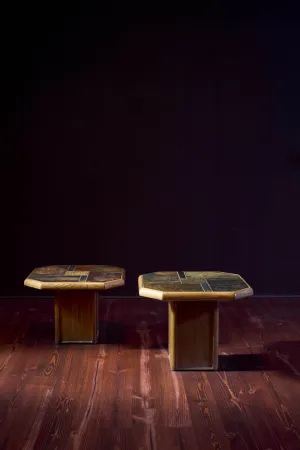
(150, 141)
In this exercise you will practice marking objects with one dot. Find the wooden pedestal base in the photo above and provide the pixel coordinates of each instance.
(76, 317)
(193, 335)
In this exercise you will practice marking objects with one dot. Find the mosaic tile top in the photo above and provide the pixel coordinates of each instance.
(193, 285)
(76, 277)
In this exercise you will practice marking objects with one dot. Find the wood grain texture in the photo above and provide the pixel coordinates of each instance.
(193, 335)
(76, 317)
(122, 393)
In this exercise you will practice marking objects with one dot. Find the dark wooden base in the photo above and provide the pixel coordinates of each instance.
(193, 335)
(76, 317)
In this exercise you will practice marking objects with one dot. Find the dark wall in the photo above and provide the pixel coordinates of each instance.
(153, 143)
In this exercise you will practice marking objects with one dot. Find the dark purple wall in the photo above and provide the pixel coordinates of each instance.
(153, 143)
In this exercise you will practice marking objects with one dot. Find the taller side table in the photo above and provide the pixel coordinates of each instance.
(193, 312)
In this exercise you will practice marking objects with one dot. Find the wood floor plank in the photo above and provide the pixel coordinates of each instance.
(259, 401)
(56, 422)
(174, 439)
(271, 424)
(170, 401)
(125, 368)
(21, 418)
(12, 338)
(241, 331)
(243, 396)
(9, 386)
(38, 415)
(285, 392)
(135, 438)
(236, 424)
(144, 395)
(121, 394)
(204, 412)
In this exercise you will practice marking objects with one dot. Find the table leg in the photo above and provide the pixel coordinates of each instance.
(193, 335)
(76, 317)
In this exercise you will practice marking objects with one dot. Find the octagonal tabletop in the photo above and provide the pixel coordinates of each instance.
(76, 277)
(193, 286)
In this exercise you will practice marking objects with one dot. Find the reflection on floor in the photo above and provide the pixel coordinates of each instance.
(122, 394)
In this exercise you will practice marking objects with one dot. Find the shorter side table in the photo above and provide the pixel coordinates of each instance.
(77, 300)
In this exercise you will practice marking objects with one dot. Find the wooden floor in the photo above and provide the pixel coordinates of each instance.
(121, 394)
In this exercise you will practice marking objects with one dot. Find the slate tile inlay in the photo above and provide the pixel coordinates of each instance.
(43, 277)
(194, 282)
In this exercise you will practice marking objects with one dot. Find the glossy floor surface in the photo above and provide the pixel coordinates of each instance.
(121, 394)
